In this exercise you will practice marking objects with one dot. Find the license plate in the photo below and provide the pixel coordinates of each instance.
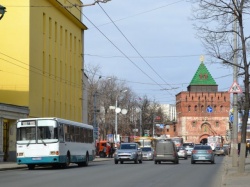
(201, 158)
(37, 158)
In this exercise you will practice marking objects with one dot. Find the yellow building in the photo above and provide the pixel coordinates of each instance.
(41, 58)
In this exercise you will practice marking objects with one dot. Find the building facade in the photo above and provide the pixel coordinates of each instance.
(41, 57)
(170, 111)
(202, 110)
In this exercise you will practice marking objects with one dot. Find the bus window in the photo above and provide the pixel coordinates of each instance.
(60, 129)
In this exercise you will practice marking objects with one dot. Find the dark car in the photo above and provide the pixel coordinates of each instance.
(128, 152)
(166, 151)
(202, 153)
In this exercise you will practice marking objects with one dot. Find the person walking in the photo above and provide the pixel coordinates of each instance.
(248, 147)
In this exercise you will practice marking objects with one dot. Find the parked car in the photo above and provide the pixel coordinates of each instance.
(128, 152)
(166, 151)
(202, 153)
(182, 152)
(219, 151)
(226, 148)
(147, 153)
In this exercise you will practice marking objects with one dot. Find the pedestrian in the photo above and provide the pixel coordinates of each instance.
(104, 150)
(248, 148)
(111, 151)
(238, 149)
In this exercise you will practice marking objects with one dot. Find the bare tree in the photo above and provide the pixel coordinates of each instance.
(214, 23)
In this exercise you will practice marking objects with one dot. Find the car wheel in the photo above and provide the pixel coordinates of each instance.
(192, 162)
(140, 161)
(116, 161)
(212, 162)
(155, 162)
(121, 162)
(136, 160)
(186, 158)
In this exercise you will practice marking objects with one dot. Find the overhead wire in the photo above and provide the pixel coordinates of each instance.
(117, 47)
(133, 46)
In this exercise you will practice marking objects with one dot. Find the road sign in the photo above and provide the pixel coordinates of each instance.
(235, 88)
(161, 126)
(231, 118)
(209, 109)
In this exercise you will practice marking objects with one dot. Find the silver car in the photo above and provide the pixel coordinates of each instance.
(202, 153)
(189, 150)
(147, 153)
(182, 152)
(128, 152)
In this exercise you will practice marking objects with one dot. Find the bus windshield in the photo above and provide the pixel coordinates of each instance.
(44, 131)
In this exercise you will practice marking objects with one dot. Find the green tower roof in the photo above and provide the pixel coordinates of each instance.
(202, 76)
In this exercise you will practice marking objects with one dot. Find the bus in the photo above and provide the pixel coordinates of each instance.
(178, 141)
(144, 141)
(54, 141)
(214, 141)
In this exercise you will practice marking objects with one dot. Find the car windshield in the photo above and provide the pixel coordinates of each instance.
(203, 147)
(128, 146)
(146, 149)
(181, 148)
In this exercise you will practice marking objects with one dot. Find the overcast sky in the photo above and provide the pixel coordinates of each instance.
(151, 45)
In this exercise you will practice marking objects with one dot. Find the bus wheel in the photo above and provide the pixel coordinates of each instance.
(86, 163)
(31, 166)
(67, 162)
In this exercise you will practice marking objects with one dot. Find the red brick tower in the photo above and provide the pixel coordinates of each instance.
(202, 110)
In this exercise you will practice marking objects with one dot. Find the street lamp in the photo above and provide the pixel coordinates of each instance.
(2, 11)
(117, 110)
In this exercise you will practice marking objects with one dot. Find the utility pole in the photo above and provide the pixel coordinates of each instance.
(235, 108)
(140, 122)
(96, 129)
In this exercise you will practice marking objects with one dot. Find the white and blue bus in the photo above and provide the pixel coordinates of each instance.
(54, 141)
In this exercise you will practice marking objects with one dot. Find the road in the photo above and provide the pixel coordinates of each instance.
(108, 174)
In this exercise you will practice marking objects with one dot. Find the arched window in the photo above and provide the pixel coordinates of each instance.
(215, 108)
(195, 108)
(189, 108)
(212, 98)
(221, 108)
(225, 98)
(202, 108)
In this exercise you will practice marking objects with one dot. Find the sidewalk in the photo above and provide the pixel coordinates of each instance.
(14, 165)
(231, 177)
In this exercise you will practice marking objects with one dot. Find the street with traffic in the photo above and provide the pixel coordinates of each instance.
(104, 172)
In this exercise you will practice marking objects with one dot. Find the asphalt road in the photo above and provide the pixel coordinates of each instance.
(108, 174)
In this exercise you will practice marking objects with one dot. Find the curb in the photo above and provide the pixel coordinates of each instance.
(13, 165)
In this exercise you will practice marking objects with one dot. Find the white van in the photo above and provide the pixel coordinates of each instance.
(165, 151)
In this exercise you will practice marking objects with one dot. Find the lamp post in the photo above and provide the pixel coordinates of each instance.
(117, 110)
(2, 11)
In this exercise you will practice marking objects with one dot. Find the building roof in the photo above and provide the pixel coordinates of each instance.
(202, 77)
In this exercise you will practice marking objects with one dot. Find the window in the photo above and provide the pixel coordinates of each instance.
(217, 124)
(221, 108)
(195, 108)
(189, 108)
(194, 124)
(202, 108)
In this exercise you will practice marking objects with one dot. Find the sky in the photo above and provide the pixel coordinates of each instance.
(148, 44)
